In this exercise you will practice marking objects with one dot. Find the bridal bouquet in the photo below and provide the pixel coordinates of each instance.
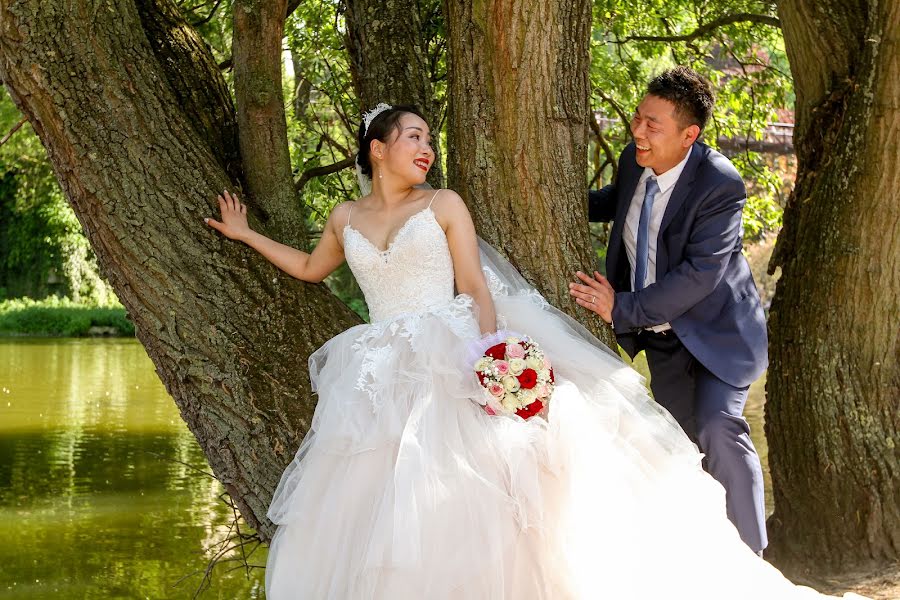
(517, 377)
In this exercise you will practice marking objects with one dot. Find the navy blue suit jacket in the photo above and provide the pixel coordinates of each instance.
(703, 287)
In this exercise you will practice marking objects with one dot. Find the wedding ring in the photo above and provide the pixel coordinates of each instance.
(592, 299)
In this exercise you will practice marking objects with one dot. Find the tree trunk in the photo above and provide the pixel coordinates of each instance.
(518, 132)
(834, 384)
(141, 159)
(388, 61)
(218, 128)
(262, 128)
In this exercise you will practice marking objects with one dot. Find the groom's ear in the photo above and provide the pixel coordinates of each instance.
(691, 133)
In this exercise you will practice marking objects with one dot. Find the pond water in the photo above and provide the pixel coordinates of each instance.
(102, 487)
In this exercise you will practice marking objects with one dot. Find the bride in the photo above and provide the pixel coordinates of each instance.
(405, 488)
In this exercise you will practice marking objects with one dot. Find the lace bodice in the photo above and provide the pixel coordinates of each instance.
(414, 273)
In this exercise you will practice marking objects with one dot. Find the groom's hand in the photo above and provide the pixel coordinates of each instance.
(595, 294)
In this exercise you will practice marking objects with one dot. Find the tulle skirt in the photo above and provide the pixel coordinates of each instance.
(404, 488)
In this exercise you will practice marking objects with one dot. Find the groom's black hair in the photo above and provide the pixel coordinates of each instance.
(688, 91)
(380, 129)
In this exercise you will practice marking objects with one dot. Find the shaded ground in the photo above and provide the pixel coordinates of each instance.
(882, 585)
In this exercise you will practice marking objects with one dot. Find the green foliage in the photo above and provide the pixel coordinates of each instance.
(323, 112)
(763, 211)
(42, 248)
(56, 316)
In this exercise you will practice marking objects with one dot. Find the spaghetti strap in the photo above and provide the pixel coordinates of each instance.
(349, 212)
(433, 197)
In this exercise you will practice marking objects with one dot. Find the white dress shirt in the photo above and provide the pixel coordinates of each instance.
(666, 183)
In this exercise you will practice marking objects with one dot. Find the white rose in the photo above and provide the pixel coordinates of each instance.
(516, 366)
(484, 363)
(526, 397)
(532, 362)
(511, 384)
(512, 340)
(510, 403)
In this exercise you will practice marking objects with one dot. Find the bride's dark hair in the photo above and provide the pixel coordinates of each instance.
(380, 129)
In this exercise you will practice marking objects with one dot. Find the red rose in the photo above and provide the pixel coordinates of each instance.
(497, 351)
(530, 410)
(528, 379)
(552, 379)
(481, 378)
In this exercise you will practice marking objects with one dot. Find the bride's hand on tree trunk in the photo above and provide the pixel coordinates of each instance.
(234, 217)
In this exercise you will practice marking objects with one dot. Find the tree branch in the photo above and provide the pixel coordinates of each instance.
(335, 144)
(706, 29)
(607, 150)
(229, 62)
(626, 121)
(13, 130)
(598, 173)
(262, 126)
(323, 170)
(209, 17)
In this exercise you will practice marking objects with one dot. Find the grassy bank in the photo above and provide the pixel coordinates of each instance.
(61, 317)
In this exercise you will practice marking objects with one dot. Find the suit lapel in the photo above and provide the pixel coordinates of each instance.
(630, 175)
(682, 188)
(625, 202)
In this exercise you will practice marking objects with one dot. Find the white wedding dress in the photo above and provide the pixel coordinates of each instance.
(404, 488)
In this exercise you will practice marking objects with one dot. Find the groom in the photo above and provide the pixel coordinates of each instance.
(678, 287)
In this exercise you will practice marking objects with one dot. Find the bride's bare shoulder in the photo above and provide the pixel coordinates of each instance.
(341, 213)
(449, 206)
(446, 194)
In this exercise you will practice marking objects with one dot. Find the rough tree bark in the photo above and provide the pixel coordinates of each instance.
(833, 409)
(388, 60)
(140, 131)
(262, 127)
(518, 131)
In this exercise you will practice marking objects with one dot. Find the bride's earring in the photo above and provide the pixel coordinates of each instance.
(380, 175)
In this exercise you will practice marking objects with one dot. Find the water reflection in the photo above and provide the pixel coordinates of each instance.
(100, 495)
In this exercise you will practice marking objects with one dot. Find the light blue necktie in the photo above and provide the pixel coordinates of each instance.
(643, 235)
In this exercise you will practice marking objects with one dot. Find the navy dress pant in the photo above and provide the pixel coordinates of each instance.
(711, 413)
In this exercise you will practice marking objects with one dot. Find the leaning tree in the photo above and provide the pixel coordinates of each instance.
(142, 134)
(833, 406)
